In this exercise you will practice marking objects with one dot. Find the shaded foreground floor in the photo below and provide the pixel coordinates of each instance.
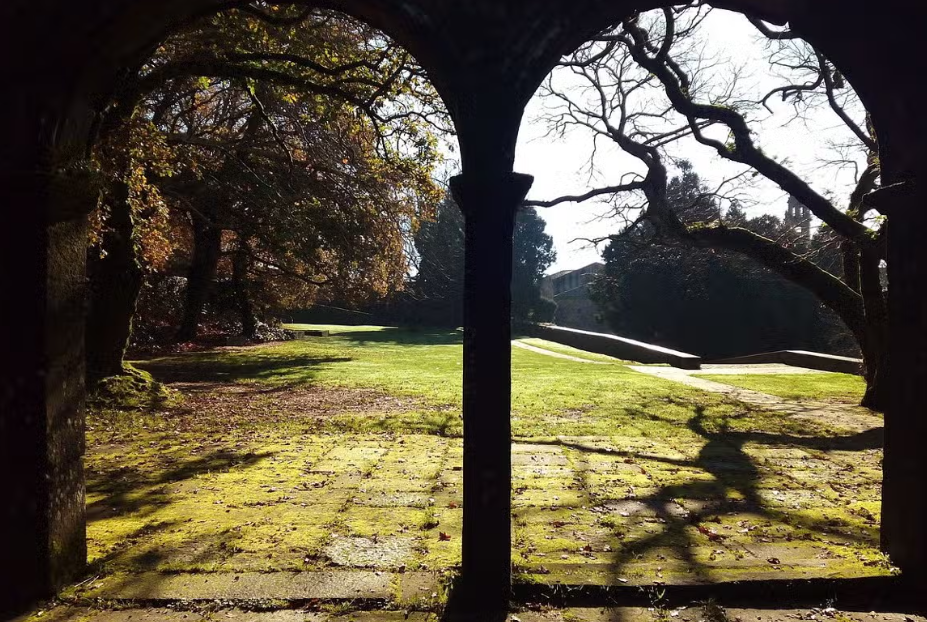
(586, 509)
(257, 491)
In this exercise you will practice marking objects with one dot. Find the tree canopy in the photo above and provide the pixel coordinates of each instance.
(285, 151)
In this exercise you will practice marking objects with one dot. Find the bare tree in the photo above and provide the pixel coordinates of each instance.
(647, 84)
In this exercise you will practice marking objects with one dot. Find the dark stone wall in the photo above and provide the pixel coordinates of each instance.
(579, 312)
(42, 280)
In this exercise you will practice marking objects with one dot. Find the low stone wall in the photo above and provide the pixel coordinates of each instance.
(307, 333)
(800, 358)
(612, 345)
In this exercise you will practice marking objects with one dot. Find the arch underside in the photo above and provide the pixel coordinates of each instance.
(489, 54)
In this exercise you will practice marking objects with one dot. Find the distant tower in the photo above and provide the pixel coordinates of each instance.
(799, 217)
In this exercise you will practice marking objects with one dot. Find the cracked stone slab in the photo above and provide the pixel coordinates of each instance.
(630, 508)
(694, 612)
(386, 552)
(690, 613)
(385, 499)
(548, 459)
(84, 614)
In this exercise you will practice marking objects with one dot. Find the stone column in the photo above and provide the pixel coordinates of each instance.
(904, 469)
(489, 204)
(43, 251)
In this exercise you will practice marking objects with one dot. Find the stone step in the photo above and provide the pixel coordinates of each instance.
(297, 587)
(160, 614)
(692, 613)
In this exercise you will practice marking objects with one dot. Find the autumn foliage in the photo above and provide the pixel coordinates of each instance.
(284, 154)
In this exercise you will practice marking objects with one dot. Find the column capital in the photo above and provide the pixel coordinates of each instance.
(73, 193)
(67, 194)
(503, 191)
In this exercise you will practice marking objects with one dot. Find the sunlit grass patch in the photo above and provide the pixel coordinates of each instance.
(823, 387)
(552, 346)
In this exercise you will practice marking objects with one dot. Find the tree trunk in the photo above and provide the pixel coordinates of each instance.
(240, 284)
(863, 308)
(115, 284)
(875, 350)
(207, 247)
(876, 374)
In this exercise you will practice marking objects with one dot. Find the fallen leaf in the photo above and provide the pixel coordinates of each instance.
(714, 537)
(444, 537)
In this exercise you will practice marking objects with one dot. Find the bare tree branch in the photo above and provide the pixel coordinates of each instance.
(585, 197)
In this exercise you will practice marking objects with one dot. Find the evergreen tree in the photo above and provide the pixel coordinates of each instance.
(707, 301)
(438, 289)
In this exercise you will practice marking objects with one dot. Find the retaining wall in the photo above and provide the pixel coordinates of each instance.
(612, 345)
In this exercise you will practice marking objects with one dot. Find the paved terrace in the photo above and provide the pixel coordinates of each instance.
(279, 515)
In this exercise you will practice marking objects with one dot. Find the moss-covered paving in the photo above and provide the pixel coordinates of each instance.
(344, 452)
(662, 612)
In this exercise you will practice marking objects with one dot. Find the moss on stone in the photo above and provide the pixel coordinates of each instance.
(132, 390)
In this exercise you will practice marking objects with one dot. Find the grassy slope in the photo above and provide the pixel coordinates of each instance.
(842, 388)
(562, 349)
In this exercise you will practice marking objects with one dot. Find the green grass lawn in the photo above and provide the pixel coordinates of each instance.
(345, 451)
(550, 396)
(562, 349)
(843, 388)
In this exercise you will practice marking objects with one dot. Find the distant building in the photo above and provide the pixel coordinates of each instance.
(570, 290)
(799, 217)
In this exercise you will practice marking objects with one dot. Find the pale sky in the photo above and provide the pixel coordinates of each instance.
(560, 165)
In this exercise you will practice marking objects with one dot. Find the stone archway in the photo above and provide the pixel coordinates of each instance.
(486, 58)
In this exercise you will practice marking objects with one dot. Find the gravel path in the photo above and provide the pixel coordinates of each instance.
(854, 418)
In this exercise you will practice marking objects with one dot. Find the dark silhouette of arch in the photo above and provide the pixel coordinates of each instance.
(486, 58)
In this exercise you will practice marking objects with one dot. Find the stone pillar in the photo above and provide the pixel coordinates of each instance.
(904, 469)
(42, 519)
(489, 205)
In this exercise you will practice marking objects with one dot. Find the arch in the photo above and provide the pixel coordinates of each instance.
(838, 29)
(126, 38)
(876, 48)
(486, 58)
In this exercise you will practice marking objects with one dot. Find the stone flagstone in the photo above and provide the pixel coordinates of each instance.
(295, 586)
